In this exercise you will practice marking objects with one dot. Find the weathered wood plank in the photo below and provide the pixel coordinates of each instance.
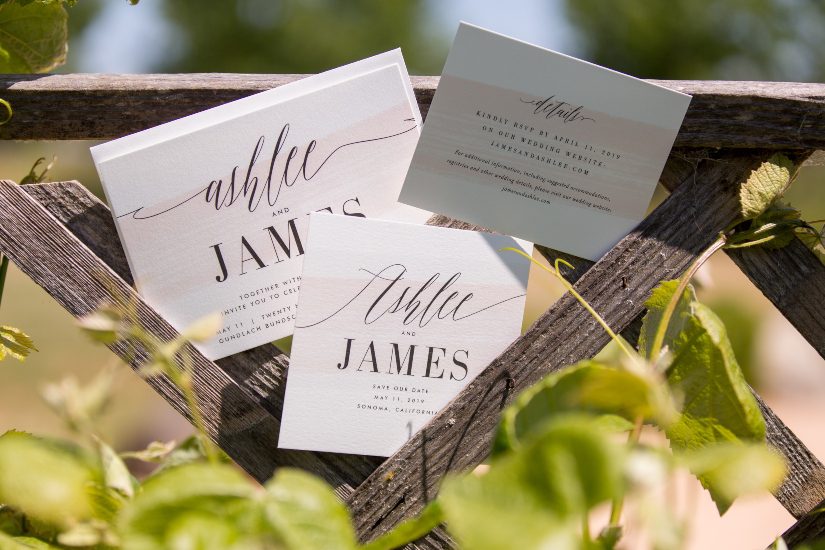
(793, 279)
(774, 115)
(459, 437)
(808, 529)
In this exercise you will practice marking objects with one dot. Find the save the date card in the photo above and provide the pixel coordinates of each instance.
(212, 209)
(394, 319)
(539, 145)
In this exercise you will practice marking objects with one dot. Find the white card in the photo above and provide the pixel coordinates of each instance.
(394, 319)
(536, 144)
(212, 209)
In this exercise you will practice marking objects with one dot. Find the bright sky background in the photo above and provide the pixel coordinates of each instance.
(130, 39)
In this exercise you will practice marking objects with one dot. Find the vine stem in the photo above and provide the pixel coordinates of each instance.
(587, 538)
(183, 379)
(4, 268)
(618, 504)
(569, 287)
(661, 330)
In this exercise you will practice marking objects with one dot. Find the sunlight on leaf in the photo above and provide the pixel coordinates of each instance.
(15, 343)
(538, 495)
(44, 480)
(203, 329)
(115, 473)
(103, 325)
(295, 500)
(734, 469)
(656, 305)
(80, 405)
(156, 451)
(191, 494)
(765, 185)
(618, 396)
(33, 37)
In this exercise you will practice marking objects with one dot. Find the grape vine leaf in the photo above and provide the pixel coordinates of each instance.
(33, 36)
(765, 185)
(615, 395)
(656, 304)
(44, 479)
(718, 404)
(536, 496)
(195, 505)
(736, 469)
(294, 503)
(15, 343)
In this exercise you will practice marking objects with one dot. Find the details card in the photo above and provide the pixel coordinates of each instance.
(394, 319)
(536, 144)
(212, 209)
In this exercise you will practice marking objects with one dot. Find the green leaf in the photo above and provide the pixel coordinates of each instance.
(115, 473)
(23, 543)
(206, 532)
(618, 396)
(156, 451)
(190, 450)
(295, 503)
(87, 534)
(218, 493)
(813, 243)
(779, 221)
(80, 405)
(538, 495)
(16, 343)
(44, 480)
(103, 325)
(735, 469)
(718, 404)
(765, 185)
(203, 329)
(33, 37)
(656, 304)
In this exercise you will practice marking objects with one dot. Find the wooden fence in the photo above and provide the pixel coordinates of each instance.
(64, 239)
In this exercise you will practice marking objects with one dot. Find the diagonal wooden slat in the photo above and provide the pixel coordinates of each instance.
(809, 528)
(774, 115)
(793, 279)
(458, 438)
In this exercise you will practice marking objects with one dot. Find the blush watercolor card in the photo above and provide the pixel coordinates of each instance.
(212, 209)
(394, 319)
(536, 144)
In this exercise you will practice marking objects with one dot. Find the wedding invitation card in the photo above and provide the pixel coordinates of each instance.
(394, 319)
(539, 145)
(212, 209)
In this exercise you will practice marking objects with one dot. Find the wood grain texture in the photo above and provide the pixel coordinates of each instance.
(793, 279)
(774, 115)
(459, 437)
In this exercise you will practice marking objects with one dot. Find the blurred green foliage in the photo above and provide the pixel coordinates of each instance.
(703, 39)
